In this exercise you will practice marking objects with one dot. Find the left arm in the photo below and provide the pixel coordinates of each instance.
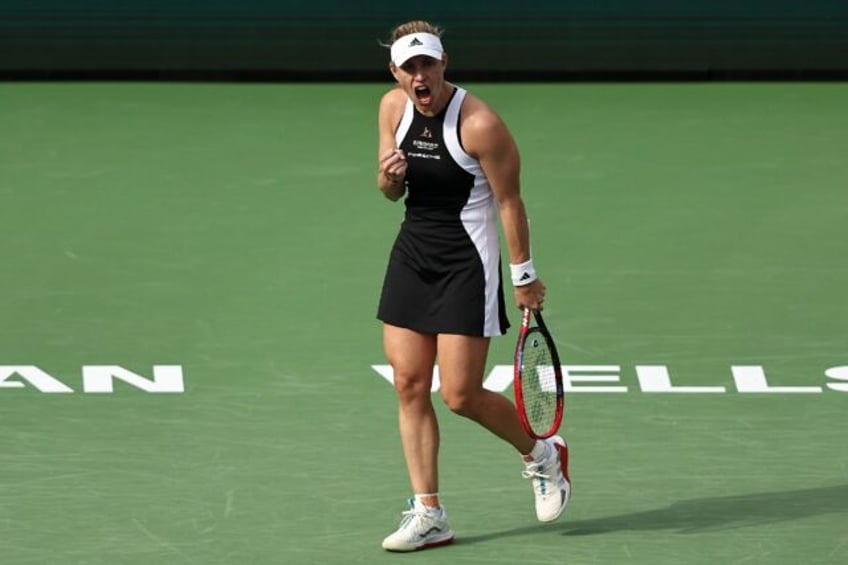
(486, 137)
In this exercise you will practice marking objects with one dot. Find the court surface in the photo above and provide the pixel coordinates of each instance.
(233, 232)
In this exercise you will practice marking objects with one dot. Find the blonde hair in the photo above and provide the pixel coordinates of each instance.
(415, 26)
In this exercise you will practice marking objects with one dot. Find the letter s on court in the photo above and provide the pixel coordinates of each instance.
(840, 374)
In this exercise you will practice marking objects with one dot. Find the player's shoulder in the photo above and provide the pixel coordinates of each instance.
(478, 117)
(393, 100)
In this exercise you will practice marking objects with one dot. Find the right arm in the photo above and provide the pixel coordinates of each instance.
(391, 167)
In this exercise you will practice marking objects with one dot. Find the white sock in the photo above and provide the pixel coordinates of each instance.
(540, 451)
(420, 504)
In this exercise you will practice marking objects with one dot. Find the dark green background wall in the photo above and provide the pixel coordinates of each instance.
(301, 36)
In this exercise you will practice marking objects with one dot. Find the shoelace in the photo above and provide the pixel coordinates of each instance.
(409, 515)
(532, 472)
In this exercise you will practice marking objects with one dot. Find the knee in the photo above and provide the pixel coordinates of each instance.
(460, 402)
(412, 387)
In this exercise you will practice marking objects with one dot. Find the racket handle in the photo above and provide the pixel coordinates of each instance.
(525, 318)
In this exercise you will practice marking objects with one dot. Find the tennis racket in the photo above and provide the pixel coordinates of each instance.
(539, 397)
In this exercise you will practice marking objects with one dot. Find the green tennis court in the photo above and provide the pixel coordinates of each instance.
(693, 238)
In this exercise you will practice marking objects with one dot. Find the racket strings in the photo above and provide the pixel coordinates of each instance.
(538, 383)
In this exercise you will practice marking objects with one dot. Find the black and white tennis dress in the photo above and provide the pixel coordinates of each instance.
(444, 272)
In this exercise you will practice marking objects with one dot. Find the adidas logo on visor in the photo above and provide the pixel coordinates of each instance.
(415, 41)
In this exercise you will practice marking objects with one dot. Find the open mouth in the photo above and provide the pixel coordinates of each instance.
(422, 93)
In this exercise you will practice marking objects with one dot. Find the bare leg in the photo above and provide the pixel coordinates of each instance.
(412, 356)
(462, 361)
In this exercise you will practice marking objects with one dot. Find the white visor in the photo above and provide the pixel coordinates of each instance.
(414, 44)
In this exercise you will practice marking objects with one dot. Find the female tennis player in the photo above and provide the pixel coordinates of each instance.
(457, 164)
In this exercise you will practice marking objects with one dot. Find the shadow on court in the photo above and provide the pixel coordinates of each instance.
(701, 514)
(727, 512)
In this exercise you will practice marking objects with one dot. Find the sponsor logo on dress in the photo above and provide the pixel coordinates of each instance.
(425, 145)
(417, 155)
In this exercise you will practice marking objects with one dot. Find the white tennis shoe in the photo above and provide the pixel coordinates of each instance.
(551, 483)
(421, 527)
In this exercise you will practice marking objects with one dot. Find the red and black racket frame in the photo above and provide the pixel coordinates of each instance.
(524, 332)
